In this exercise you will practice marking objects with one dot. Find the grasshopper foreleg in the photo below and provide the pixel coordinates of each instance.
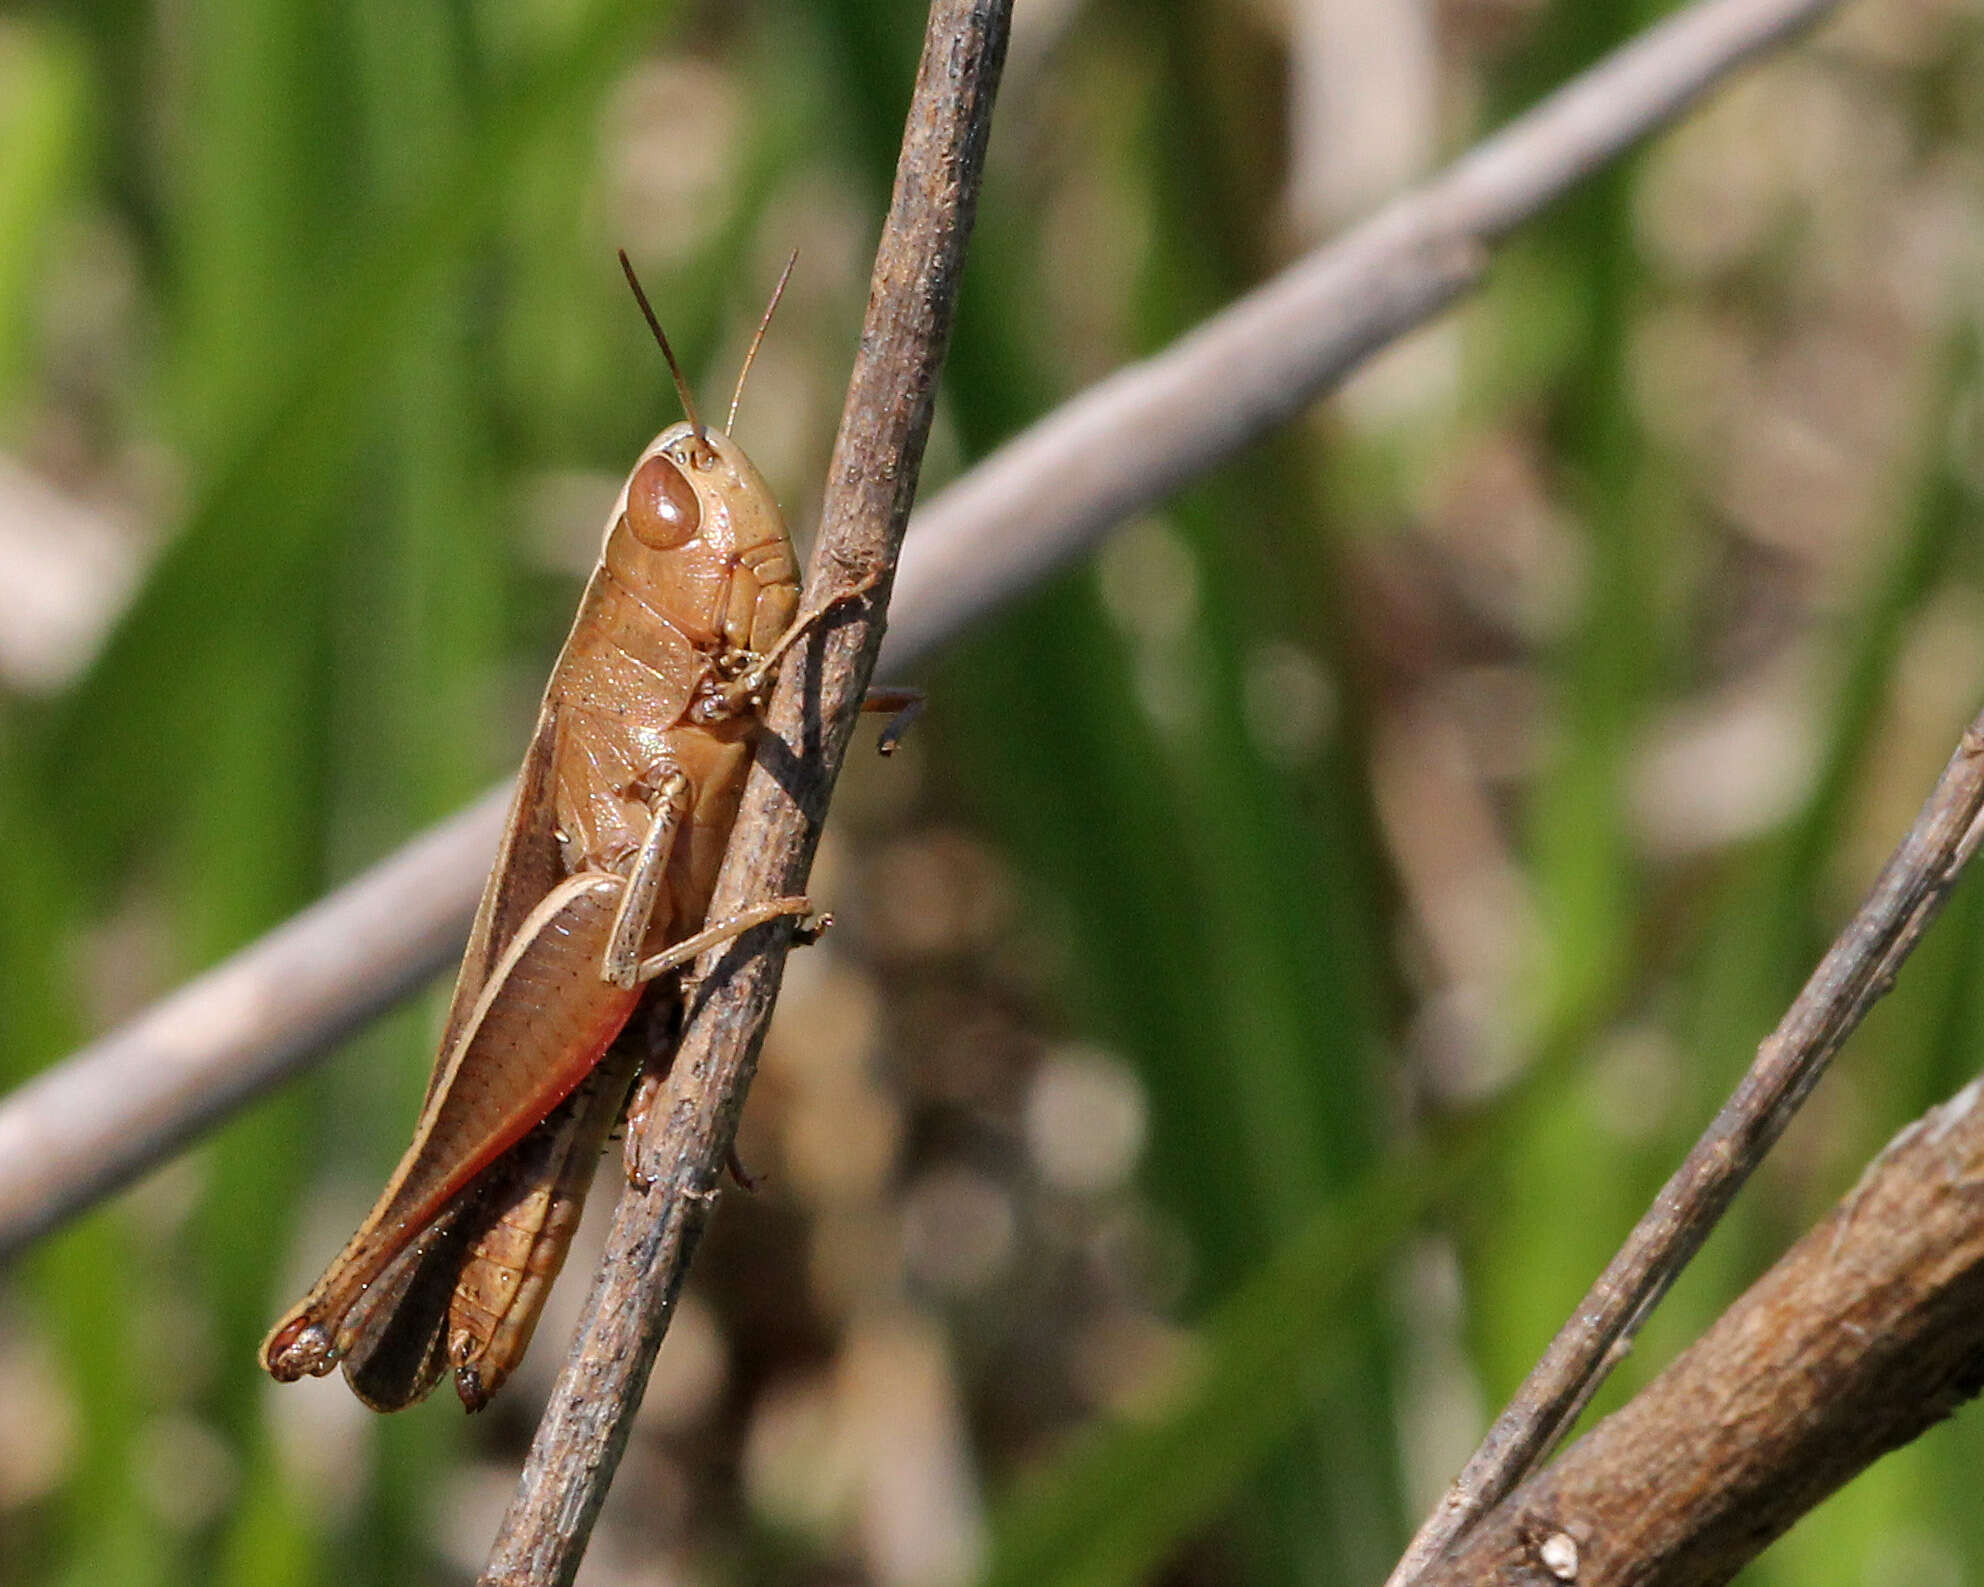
(747, 691)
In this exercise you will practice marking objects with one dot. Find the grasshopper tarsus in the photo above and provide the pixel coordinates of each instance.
(904, 706)
(734, 1166)
(640, 1107)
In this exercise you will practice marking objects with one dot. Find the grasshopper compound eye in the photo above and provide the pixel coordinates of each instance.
(662, 508)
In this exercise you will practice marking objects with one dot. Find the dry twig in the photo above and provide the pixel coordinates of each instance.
(97, 1120)
(870, 484)
(1135, 438)
(1856, 971)
(1869, 1331)
(68, 1138)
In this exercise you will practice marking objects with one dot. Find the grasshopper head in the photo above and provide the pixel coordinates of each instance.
(697, 536)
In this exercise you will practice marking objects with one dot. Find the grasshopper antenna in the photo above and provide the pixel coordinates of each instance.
(667, 352)
(751, 353)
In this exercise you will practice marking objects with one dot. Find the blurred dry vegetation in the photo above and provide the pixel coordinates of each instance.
(1151, 1192)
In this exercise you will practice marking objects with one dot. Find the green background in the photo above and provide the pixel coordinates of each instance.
(1329, 800)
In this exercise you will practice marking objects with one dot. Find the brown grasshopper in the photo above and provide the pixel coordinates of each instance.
(621, 817)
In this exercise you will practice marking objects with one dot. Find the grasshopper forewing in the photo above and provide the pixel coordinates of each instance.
(622, 813)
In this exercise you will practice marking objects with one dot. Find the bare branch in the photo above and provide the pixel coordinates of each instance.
(122, 1104)
(1856, 971)
(1034, 505)
(1137, 437)
(1868, 1331)
(870, 484)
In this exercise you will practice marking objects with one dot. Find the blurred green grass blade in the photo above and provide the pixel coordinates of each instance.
(88, 1286)
(1111, 1509)
(1583, 851)
(1525, 1261)
(259, 165)
(1283, 855)
(1578, 840)
(43, 90)
(1127, 1496)
(38, 1014)
(267, 1543)
(292, 454)
(427, 581)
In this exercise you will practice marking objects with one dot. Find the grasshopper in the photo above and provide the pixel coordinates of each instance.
(622, 813)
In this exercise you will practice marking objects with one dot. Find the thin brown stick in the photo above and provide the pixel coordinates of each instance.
(1856, 971)
(870, 484)
(1032, 506)
(1868, 1331)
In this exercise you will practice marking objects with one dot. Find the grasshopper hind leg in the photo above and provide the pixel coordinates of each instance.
(525, 1228)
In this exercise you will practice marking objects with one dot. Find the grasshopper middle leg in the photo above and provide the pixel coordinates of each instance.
(623, 964)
